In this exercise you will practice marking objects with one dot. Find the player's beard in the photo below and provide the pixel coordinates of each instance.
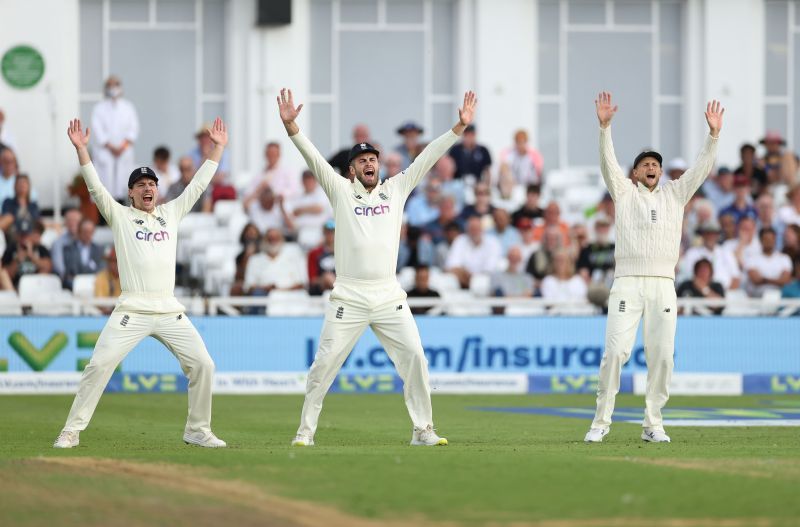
(369, 182)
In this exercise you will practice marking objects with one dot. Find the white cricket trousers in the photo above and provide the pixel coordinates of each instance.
(353, 306)
(121, 334)
(632, 299)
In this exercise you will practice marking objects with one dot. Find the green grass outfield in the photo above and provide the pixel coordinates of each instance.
(132, 468)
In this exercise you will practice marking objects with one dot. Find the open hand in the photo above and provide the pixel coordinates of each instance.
(218, 132)
(467, 111)
(77, 136)
(605, 109)
(286, 106)
(714, 112)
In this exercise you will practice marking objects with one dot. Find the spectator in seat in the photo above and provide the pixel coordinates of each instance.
(773, 143)
(283, 181)
(9, 168)
(321, 263)
(792, 289)
(87, 208)
(452, 231)
(674, 170)
(770, 270)
(726, 269)
(596, 260)
(471, 158)
(540, 263)
(752, 167)
(27, 255)
(187, 170)
(444, 170)
(422, 289)
(249, 239)
(410, 146)
(341, 159)
(72, 220)
(719, 189)
(267, 211)
(702, 285)
(789, 214)
(311, 209)
(218, 190)
(423, 208)
(167, 172)
(473, 252)
(447, 214)
(19, 213)
(514, 282)
(277, 266)
(563, 284)
(727, 223)
(390, 167)
(505, 233)
(524, 162)
(506, 194)
(741, 206)
(82, 256)
(482, 208)
(768, 217)
(530, 209)
(791, 242)
(552, 220)
(106, 282)
(205, 145)
(746, 245)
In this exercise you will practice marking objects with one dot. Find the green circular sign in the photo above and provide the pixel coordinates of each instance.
(22, 67)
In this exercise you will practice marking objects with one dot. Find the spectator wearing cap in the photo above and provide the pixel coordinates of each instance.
(27, 255)
(310, 210)
(341, 159)
(726, 269)
(423, 208)
(115, 129)
(410, 146)
(505, 233)
(422, 289)
(770, 270)
(167, 172)
(674, 169)
(530, 208)
(203, 149)
(789, 214)
(444, 170)
(741, 206)
(321, 263)
(773, 143)
(596, 260)
(283, 181)
(514, 282)
(447, 214)
(20, 213)
(719, 189)
(746, 245)
(563, 283)
(702, 284)
(471, 159)
(523, 161)
(82, 256)
(106, 282)
(186, 168)
(473, 252)
(751, 166)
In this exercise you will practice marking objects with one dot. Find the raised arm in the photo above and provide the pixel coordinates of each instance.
(184, 203)
(80, 140)
(410, 177)
(322, 170)
(691, 180)
(615, 179)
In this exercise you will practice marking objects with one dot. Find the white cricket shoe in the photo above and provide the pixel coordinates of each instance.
(204, 439)
(67, 439)
(301, 440)
(596, 435)
(427, 437)
(655, 436)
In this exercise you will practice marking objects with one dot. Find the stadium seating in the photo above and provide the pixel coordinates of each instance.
(44, 294)
(10, 303)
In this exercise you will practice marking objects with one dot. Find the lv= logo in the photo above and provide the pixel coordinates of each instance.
(38, 359)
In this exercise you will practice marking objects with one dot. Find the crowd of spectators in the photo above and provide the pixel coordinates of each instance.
(474, 215)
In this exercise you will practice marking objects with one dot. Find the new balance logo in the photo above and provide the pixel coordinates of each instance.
(653, 215)
(138, 222)
(340, 312)
(666, 310)
(399, 307)
(621, 306)
(124, 321)
(358, 196)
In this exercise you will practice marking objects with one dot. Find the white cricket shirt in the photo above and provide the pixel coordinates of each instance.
(146, 243)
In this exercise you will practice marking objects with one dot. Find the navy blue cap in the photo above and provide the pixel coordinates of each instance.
(409, 126)
(139, 173)
(362, 148)
(648, 153)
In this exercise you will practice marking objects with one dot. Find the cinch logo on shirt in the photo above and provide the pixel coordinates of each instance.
(152, 236)
(377, 210)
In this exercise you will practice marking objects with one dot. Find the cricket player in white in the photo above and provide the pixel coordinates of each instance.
(368, 217)
(649, 221)
(145, 237)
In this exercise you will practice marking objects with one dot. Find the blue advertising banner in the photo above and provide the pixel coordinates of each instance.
(552, 346)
